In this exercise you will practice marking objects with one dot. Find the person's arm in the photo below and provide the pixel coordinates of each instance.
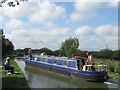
(6, 62)
(87, 61)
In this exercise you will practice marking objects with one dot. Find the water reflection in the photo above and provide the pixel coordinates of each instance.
(39, 81)
(36, 79)
(53, 82)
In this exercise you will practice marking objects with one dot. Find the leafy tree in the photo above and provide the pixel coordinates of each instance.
(56, 53)
(69, 47)
(1, 35)
(115, 55)
(12, 3)
(80, 53)
(7, 46)
(106, 53)
(118, 54)
(18, 51)
(47, 51)
(25, 51)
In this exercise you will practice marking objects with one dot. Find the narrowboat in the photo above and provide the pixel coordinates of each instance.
(71, 67)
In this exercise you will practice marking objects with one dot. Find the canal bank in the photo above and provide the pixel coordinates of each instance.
(17, 80)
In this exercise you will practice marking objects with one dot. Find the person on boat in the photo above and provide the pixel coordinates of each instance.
(82, 62)
(8, 67)
(90, 61)
(89, 58)
(30, 53)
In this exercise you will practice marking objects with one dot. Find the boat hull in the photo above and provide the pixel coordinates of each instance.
(74, 74)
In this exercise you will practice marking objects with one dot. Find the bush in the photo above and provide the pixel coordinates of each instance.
(118, 68)
(111, 68)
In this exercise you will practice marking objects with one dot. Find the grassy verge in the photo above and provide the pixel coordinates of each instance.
(14, 80)
(113, 67)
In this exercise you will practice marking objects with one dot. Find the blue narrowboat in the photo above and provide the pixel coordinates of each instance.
(71, 67)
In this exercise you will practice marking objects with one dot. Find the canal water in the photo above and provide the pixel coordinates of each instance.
(40, 80)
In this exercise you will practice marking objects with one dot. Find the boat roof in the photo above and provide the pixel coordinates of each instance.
(59, 58)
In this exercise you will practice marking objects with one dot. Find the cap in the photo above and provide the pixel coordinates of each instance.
(7, 58)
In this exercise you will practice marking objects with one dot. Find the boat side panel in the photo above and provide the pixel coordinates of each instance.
(71, 70)
(90, 76)
(42, 67)
(36, 65)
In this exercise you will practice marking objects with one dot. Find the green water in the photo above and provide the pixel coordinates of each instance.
(40, 79)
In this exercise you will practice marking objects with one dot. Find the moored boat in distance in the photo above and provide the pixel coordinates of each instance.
(71, 67)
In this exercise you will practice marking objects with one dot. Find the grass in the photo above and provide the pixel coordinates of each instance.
(14, 80)
(113, 67)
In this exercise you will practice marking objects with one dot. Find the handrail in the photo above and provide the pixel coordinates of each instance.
(97, 67)
(94, 65)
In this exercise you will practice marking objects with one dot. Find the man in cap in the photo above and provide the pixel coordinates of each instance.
(8, 67)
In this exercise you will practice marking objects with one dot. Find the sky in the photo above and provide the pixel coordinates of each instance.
(48, 24)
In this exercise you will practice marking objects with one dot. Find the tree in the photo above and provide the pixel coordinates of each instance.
(105, 53)
(69, 47)
(25, 51)
(1, 35)
(116, 55)
(7, 46)
(12, 3)
(56, 53)
(47, 51)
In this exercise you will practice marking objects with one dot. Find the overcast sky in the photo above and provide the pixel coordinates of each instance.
(48, 24)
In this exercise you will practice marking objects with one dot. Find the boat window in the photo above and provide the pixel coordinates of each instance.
(54, 61)
(46, 60)
(60, 62)
(50, 61)
(38, 58)
(42, 59)
(72, 64)
(32, 58)
(35, 59)
(78, 64)
(65, 63)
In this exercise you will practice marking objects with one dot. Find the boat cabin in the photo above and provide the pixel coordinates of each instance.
(78, 64)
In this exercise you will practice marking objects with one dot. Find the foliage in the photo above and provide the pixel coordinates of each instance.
(69, 47)
(25, 51)
(113, 67)
(12, 3)
(107, 54)
(56, 53)
(47, 51)
(7, 47)
(115, 54)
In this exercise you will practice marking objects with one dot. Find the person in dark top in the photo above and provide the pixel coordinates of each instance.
(8, 67)
(30, 53)
(82, 62)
